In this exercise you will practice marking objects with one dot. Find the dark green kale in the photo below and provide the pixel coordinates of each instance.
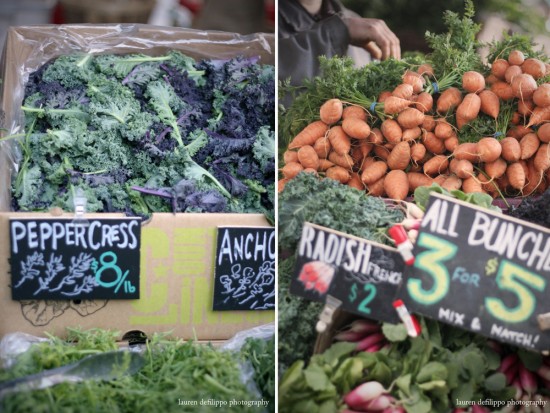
(202, 132)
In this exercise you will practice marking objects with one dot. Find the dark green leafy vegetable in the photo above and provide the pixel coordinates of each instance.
(261, 353)
(328, 203)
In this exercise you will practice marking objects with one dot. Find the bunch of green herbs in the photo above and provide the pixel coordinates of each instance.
(175, 372)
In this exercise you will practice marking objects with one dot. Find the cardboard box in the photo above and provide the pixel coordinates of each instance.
(177, 250)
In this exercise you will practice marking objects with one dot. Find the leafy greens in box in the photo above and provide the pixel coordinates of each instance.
(141, 134)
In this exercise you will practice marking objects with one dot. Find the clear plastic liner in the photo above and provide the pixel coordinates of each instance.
(27, 48)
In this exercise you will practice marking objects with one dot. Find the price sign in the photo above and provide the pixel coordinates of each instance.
(364, 275)
(482, 271)
(245, 269)
(58, 259)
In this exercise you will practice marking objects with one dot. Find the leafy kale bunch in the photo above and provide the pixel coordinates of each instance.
(141, 134)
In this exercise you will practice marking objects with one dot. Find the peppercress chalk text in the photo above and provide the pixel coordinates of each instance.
(49, 235)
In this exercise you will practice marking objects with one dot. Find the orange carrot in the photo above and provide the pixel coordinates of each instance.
(498, 68)
(396, 184)
(308, 157)
(488, 149)
(344, 160)
(490, 104)
(471, 185)
(290, 156)
(524, 86)
(516, 118)
(411, 134)
(404, 91)
(417, 179)
(355, 182)
(473, 82)
(425, 69)
(377, 188)
(496, 169)
(291, 169)
(443, 129)
(338, 173)
(468, 109)
(534, 67)
(543, 133)
(503, 90)
(382, 152)
(366, 147)
(467, 150)
(449, 99)
(539, 116)
(425, 102)
(374, 172)
(322, 147)
(511, 150)
(410, 117)
(331, 111)
(418, 151)
(534, 179)
(393, 105)
(376, 136)
(400, 156)
(512, 72)
(391, 130)
(451, 143)
(452, 183)
(432, 143)
(324, 164)
(429, 123)
(436, 165)
(356, 128)
(354, 111)
(489, 80)
(516, 175)
(516, 57)
(542, 158)
(414, 79)
(461, 168)
(519, 131)
(309, 134)
(340, 142)
(488, 185)
(529, 145)
(281, 184)
(541, 96)
(525, 107)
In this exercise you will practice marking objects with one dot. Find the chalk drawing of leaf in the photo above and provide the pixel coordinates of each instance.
(28, 271)
(82, 263)
(87, 307)
(41, 312)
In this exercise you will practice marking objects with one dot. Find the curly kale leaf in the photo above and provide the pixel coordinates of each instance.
(328, 203)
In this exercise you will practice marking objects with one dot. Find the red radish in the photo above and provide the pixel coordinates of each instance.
(364, 326)
(512, 373)
(528, 380)
(351, 336)
(364, 393)
(476, 408)
(394, 409)
(507, 362)
(378, 404)
(519, 390)
(374, 348)
(369, 341)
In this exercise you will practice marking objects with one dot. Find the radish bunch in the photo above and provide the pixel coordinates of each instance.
(371, 397)
(366, 334)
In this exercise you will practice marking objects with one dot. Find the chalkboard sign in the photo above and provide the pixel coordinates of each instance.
(58, 259)
(482, 271)
(245, 269)
(364, 275)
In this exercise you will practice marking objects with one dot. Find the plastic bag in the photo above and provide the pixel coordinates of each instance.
(14, 344)
(29, 47)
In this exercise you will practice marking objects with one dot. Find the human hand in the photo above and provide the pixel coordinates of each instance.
(374, 36)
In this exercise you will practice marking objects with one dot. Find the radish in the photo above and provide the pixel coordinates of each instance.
(364, 326)
(508, 362)
(369, 341)
(380, 403)
(511, 373)
(476, 408)
(519, 389)
(374, 348)
(364, 393)
(348, 335)
(394, 409)
(527, 380)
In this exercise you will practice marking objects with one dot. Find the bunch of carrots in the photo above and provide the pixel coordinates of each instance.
(416, 140)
